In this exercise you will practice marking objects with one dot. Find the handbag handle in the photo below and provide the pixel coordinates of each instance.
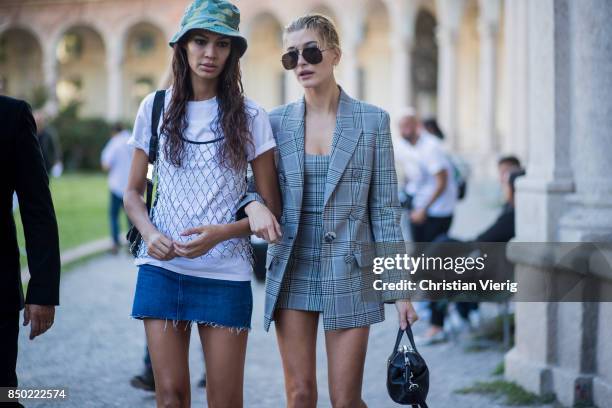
(400, 333)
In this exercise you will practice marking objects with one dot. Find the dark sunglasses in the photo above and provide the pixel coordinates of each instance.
(312, 55)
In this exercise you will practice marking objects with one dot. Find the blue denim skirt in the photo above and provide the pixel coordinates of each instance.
(163, 294)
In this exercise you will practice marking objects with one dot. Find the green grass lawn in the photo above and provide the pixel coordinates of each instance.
(81, 205)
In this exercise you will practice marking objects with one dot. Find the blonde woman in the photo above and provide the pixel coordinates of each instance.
(339, 192)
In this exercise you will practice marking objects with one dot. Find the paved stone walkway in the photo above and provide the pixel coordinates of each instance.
(95, 347)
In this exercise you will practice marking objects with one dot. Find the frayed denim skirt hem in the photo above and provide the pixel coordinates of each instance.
(166, 295)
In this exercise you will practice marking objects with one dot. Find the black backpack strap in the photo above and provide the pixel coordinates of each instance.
(158, 107)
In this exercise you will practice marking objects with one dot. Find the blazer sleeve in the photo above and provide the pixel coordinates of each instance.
(37, 214)
(251, 195)
(385, 210)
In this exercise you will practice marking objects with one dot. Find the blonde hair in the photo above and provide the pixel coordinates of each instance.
(322, 25)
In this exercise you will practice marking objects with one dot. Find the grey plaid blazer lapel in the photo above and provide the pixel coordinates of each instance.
(343, 144)
(293, 129)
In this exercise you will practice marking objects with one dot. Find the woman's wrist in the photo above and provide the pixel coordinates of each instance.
(224, 232)
(147, 232)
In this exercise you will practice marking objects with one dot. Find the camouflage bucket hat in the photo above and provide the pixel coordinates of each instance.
(218, 16)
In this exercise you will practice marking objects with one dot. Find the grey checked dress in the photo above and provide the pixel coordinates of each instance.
(302, 286)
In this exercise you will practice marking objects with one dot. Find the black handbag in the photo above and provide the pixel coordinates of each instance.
(133, 235)
(407, 373)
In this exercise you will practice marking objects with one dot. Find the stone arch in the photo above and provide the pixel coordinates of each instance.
(468, 53)
(81, 66)
(146, 58)
(21, 65)
(425, 63)
(263, 74)
(374, 77)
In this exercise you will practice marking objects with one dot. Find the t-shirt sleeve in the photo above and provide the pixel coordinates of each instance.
(141, 133)
(108, 154)
(261, 133)
(436, 160)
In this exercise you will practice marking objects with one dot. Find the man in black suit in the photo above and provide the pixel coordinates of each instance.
(22, 170)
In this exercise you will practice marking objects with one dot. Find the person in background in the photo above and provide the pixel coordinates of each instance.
(433, 190)
(49, 144)
(430, 180)
(116, 159)
(23, 171)
(431, 126)
(501, 230)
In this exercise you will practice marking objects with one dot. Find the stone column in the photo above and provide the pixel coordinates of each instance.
(540, 200)
(50, 72)
(401, 39)
(352, 31)
(488, 26)
(450, 13)
(516, 49)
(589, 218)
(114, 69)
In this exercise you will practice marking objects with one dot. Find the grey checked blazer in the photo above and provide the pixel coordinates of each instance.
(361, 214)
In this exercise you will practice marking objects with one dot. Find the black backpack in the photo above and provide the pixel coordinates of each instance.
(407, 373)
(133, 235)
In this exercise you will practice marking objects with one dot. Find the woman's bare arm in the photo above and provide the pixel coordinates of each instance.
(159, 246)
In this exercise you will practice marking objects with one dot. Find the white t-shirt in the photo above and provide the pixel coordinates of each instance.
(421, 164)
(201, 191)
(117, 156)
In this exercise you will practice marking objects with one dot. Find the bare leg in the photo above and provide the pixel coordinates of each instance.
(296, 332)
(169, 350)
(224, 354)
(346, 374)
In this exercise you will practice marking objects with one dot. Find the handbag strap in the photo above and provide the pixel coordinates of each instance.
(400, 333)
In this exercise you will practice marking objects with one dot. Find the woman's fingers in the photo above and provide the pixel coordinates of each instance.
(403, 321)
(271, 232)
(279, 230)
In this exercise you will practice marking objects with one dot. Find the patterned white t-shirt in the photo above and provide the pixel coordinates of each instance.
(201, 191)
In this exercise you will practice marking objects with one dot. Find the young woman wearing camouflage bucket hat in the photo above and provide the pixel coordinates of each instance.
(195, 264)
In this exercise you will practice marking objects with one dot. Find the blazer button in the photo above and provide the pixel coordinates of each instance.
(329, 236)
(282, 219)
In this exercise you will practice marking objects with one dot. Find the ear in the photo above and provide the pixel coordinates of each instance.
(337, 56)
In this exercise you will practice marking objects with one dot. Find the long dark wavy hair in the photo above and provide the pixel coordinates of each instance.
(232, 121)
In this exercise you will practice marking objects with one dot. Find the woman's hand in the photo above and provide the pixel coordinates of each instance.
(208, 236)
(418, 216)
(406, 313)
(159, 246)
(262, 222)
